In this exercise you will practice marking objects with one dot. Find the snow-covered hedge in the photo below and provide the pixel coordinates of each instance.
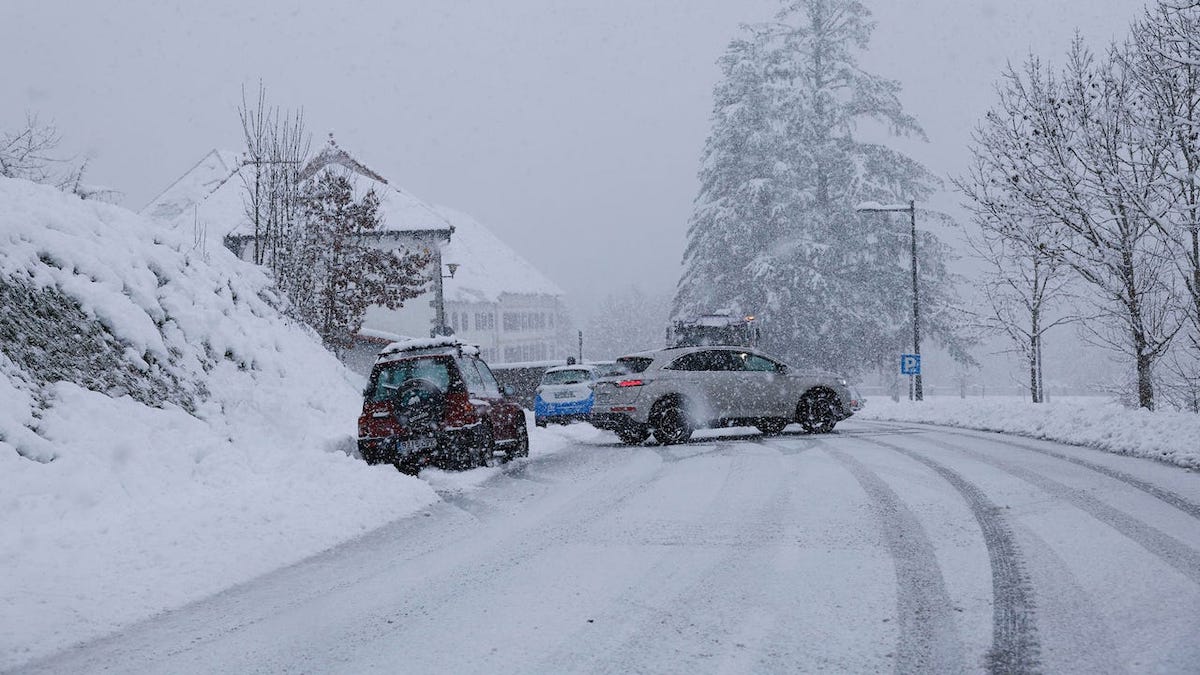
(164, 431)
(1095, 422)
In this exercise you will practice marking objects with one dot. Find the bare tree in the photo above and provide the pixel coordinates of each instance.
(1027, 285)
(29, 153)
(276, 147)
(1075, 155)
(1163, 56)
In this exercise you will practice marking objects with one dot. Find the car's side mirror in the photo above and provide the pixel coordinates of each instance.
(508, 390)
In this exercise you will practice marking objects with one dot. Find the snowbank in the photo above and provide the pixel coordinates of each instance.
(164, 431)
(1094, 422)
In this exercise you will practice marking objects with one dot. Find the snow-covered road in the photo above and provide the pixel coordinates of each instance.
(880, 547)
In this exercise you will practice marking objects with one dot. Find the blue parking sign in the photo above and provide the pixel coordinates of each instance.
(910, 364)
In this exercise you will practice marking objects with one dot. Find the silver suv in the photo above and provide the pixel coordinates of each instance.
(672, 392)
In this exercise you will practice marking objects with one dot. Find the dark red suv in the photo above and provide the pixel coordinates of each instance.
(434, 401)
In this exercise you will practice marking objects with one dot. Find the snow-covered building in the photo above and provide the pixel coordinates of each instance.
(498, 300)
(494, 298)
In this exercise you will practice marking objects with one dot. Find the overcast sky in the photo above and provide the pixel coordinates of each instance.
(573, 129)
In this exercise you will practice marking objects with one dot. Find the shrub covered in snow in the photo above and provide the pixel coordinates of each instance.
(164, 430)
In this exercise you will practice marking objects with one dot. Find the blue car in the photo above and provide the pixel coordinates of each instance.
(565, 394)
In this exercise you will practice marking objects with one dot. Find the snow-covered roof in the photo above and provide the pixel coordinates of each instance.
(211, 194)
(401, 210)
(200, 182)
(487, 266)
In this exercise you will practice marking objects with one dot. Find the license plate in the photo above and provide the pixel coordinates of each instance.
(564, 394)
(417, 444)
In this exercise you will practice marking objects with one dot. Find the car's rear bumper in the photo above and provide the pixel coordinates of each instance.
(392, 449)
(416, 450)
(549, 409)
(562, 419)
(611, 421)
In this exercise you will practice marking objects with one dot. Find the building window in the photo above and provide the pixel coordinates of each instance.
(514, 322)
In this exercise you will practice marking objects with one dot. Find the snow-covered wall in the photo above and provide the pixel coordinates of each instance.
(165, 431)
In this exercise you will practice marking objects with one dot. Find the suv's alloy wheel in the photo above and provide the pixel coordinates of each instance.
(671, 424)
(816, 412)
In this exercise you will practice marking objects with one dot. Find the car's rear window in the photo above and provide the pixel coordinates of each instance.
(388, 377)
(566, 376)
(611, 370)
(635, 364)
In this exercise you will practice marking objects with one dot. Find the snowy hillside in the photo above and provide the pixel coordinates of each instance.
(164, 430)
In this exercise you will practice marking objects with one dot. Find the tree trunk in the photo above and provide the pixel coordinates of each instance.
(1042, 395)
(1033, 374)
(1145, 383)
(1035, 388)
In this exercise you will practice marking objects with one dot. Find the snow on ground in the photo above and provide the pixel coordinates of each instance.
(1091, 421)
(223, 452)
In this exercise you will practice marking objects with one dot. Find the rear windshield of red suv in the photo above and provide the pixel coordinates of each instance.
(389, 376)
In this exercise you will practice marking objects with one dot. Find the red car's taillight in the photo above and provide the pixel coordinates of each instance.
(630, 383)
(460, 412)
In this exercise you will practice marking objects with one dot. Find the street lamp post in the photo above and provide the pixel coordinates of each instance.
(911, 208)
(439, 300)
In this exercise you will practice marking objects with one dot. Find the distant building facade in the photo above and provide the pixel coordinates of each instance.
(499, 301)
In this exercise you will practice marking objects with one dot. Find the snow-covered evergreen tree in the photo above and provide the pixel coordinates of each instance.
(774, 231)
(333, 273)
(741, 180)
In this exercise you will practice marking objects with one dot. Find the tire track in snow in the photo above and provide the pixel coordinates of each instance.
(1167, 548)
(928, 640)
(1015, 647)
(1174, 499)
(670, 614)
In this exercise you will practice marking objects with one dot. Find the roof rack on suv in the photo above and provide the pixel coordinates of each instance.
(432, 345)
